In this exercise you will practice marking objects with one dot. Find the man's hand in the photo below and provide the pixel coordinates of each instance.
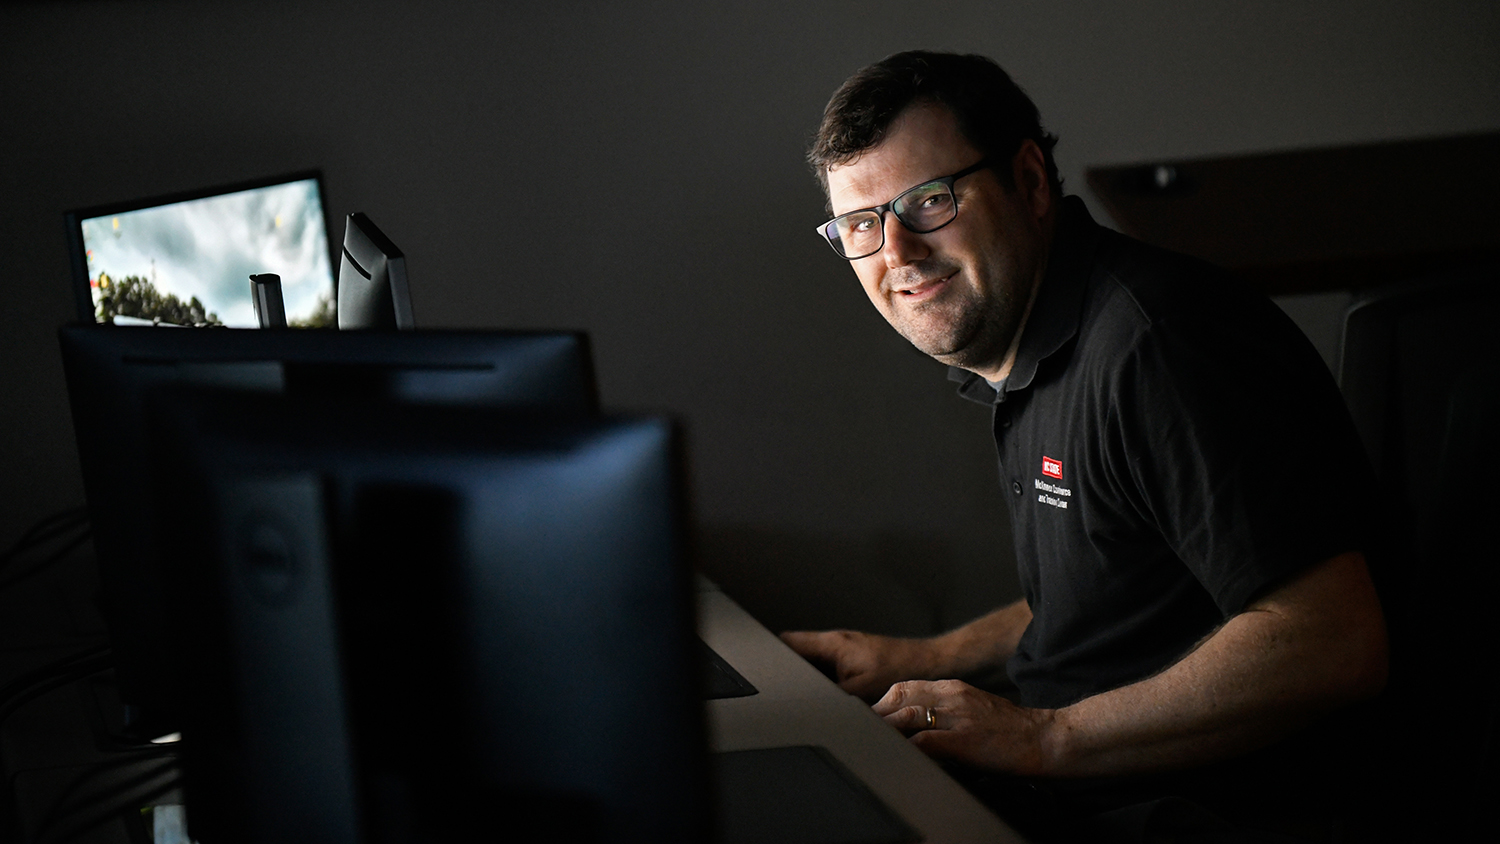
(1313, 644)
(863, 664)
(969, 725)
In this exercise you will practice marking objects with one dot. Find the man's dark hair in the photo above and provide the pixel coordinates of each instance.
(992, 111)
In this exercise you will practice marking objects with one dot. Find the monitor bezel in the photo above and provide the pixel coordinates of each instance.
(228, 438)
(78, 255)
(106, 368)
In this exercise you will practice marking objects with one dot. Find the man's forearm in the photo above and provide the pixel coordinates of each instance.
(1311, 645)
(985, 642)
(866, 665)
(1305, 649)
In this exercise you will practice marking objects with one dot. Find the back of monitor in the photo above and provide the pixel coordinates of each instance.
(373, 292)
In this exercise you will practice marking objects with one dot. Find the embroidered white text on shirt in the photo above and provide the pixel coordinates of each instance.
(1050, 493)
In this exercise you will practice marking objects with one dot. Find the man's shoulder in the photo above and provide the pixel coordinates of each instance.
(1139, 293)
(1108, 296)
(1135, 279)
(1153, 314)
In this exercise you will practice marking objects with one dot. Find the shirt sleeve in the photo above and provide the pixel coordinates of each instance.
(1234, 440)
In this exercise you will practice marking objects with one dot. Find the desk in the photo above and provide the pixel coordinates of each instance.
(797, 705)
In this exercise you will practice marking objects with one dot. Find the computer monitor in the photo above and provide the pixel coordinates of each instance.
(372, 279)
(110, 369)
(186, 259)
(430, 623)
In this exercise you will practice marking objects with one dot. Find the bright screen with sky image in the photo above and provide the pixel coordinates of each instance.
(189, 261)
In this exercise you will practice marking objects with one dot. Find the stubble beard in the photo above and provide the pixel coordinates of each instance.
(962, 327)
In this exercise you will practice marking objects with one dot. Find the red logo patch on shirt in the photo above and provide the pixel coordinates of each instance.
(1051, 468)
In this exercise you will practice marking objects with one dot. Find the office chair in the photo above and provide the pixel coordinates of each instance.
(1421, 375)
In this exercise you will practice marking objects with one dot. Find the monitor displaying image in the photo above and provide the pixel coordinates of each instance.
(187, 260)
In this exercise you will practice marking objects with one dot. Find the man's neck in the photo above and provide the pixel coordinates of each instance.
(1000, 373)
(1049, 235)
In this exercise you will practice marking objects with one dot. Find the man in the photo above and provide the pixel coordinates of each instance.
(1186, 491)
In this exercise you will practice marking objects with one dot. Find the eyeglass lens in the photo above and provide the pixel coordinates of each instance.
(922, 209)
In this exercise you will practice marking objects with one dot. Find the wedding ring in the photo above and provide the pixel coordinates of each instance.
(931, 719)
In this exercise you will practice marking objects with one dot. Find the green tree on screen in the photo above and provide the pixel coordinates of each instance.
(134, 296)
(324, 316)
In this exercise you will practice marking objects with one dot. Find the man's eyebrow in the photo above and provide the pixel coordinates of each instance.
(893, 196)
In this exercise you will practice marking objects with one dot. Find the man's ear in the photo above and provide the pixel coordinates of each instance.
(1031, 178)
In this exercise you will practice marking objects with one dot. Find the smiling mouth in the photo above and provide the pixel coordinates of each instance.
(924, 289)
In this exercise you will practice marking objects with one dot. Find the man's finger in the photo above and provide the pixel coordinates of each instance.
(813, 644)
(905, 693)
(940, 743)
(808, 645)
(910, 718)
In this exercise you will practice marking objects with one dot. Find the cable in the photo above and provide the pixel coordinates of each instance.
(41, 680)
(46, 528)
(122, 759)
(56, 521)
(44, 564)
(44, 684)
(71, 526)
(117, 799)
(37, 675)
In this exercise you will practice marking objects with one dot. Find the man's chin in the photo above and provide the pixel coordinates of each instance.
(973, 338)
(965, 355)
(950, 354)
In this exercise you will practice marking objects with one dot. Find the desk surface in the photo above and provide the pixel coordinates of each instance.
(797, 705)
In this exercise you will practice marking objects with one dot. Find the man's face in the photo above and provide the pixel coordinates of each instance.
(959, 293)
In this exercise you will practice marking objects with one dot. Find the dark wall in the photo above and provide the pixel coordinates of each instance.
(637, 174)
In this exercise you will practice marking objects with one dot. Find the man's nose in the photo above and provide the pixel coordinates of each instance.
(901, 246)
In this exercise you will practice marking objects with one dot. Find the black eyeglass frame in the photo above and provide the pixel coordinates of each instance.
(880, 211)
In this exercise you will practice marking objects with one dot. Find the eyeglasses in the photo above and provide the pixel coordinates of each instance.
(922, 209)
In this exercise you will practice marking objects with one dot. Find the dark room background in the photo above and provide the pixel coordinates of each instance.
(635, 171)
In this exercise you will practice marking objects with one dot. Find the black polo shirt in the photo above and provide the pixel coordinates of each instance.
(1173, 447)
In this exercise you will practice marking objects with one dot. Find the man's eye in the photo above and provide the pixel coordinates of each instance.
(937, 200)
(862, 226)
